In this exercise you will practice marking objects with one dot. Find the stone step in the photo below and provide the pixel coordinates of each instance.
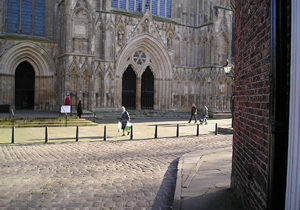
(222, 115)
(53, 122)
(151, 114)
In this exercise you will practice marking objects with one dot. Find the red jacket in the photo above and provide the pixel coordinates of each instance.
(67, 101)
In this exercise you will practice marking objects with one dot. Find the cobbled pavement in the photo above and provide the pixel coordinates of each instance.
(136, 174)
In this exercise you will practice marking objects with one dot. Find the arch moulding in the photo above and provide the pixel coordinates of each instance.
(41, 62)
(154, 49)
(160, 65)
(44, 69)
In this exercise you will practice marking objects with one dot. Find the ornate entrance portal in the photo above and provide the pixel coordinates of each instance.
(153, 74)
(129, 88)
(24, 86)
(147, 89)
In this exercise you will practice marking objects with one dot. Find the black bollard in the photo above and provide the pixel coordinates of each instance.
(104, 138)
(46, 134)
(155, 134)
(13, 135)
(131, 133)
(216, 129)
(77, 133)
(177, 131)
(197, 129)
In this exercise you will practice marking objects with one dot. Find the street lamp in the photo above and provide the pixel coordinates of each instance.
(228, 69)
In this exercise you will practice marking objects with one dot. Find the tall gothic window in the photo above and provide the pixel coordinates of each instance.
(131, 5)
(13, 10)
(162, 11)
(161, 8)
(123, 4)
(114, 3)
(139, 5)
(39, 19)
(154, 7)
(26, 17)
(169, 8)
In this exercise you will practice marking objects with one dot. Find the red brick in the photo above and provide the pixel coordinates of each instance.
(252, 102)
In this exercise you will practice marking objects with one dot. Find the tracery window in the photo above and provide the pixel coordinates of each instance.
(139, 5)
(162, 11)
(123, 4)
(139, 57)
(161, 8)
(154, 7)
(131, 5)
(26, 17)
(169, 8)
(114, 3)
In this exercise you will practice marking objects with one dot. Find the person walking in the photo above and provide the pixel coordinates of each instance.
(124, 120)
(79, 109)
(204, 115)
(193, 113)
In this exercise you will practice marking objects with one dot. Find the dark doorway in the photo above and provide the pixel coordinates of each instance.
(147, 89)
(24, 86)
(129, 88)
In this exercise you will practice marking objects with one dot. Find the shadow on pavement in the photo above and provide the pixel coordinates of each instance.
(165, 196)
(223, 199)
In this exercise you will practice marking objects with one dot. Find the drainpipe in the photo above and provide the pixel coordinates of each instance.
(279, 103)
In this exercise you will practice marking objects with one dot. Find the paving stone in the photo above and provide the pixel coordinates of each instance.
(99, 175)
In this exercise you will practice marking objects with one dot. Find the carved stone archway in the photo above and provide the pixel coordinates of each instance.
(43, 66)
(159, 62)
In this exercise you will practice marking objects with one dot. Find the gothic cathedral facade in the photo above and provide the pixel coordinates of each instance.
(143, 54)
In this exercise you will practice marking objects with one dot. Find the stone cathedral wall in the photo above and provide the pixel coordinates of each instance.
(88, 45)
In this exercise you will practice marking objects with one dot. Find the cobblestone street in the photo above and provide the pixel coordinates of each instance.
(124, 174)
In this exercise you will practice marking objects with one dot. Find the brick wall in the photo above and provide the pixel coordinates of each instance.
(252, 95)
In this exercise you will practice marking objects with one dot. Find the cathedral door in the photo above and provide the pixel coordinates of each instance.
(24, 86)
(147, 89)
(129, 89)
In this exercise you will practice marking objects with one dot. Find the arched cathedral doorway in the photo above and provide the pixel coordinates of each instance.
(129, 88)
(24, 86)
(149, 58)
(147, 99)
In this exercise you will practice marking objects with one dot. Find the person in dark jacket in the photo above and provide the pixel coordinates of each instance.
(124, 119)
(79, 109)
(193, 113)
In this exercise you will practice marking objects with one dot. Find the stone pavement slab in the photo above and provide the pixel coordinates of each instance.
(203, 181)
(117, 174)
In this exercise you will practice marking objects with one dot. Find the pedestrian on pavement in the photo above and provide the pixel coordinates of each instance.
(79, 109)
(67, 100)
(193, 113)
(204, 115)
(124, 120)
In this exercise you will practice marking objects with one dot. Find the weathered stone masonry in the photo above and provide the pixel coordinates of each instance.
(88, 45)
